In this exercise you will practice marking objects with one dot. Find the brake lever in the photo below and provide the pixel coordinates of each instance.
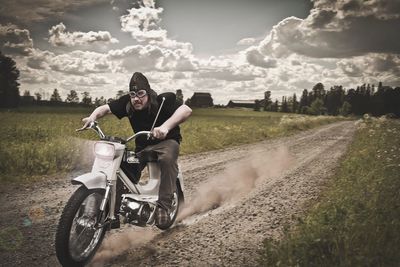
(89, 126)
(150, 136)
(81, 129)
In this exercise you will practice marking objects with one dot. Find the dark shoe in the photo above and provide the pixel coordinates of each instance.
(162, 217)
(115, 224)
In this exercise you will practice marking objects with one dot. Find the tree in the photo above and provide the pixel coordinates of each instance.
(55, 96)
(38, 96)
(27, 93)
(275, 106)
(100, 101)
(86, 98)
(318, 90)
(257, 105)
(284, 106)
(317, 107)
(9, 86)
(345, 109)
(334, 100)
(72, 97)
(120, 93)
(179, 97)
(294, 104)
(267, 100)
(304, 102)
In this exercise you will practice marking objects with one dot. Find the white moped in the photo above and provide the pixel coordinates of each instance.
(92, 209)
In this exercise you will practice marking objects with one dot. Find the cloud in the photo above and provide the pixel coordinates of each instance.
(81, 63)
(152, 57)
(340, 42)
(76, 62)
(26, 12)
(59, 37)
(14, 40)
(246, 41)
(381, 9)
(255, 58)
(31, 76)
(40, 59)
(374, 65)
(143, 22)
(87, 81)
(337, 29)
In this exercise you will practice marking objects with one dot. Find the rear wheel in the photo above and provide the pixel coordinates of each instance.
(78, 237)
(177, 202)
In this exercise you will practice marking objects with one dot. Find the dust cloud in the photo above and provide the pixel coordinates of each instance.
(238, 179)
(84, 150)
(117, 243)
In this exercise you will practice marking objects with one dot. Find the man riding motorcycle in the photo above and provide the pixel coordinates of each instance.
(141, 106)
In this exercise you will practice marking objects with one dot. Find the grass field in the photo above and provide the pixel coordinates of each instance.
(357, 221)
(42, 141)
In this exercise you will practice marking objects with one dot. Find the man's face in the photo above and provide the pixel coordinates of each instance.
(139, 99)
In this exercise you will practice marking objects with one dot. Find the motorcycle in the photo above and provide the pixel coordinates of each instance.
(92, 210)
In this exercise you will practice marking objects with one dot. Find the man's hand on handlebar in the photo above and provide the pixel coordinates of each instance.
(86, 124)
(160, 132)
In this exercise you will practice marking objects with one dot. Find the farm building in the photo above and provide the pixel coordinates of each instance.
(245, 103)
(241, 104)
(200, 100)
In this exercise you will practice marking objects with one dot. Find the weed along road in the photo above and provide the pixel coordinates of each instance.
(235, 198)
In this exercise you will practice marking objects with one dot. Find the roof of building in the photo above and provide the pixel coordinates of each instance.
(243, 101)
(201, 94)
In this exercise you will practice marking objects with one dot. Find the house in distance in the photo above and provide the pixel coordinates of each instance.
(200, 100)
(255, 104)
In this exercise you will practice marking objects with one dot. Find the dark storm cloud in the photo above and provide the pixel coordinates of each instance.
(25, 12)
(338, 29)
(373, 66)
(321, 18)
(14, 40)
(383, 9)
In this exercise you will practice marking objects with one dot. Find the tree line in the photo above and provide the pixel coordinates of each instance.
(364, 99)
(71, 99)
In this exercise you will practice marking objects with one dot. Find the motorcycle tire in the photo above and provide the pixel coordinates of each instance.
(75, 228)
(177, 203)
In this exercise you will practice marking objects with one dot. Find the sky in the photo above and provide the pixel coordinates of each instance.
(233, 49)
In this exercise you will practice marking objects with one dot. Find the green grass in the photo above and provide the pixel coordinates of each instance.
(357, 221)
(38, 141)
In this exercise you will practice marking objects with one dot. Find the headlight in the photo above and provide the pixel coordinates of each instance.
(104, 150)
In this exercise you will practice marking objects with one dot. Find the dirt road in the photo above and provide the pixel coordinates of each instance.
(235, 198)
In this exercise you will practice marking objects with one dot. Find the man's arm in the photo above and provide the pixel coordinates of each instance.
(179, 116)
(98, 113)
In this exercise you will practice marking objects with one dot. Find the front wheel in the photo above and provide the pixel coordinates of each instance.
(78, 237)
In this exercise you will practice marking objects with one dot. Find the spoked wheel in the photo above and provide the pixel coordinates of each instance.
(177, 202)
(78, 235)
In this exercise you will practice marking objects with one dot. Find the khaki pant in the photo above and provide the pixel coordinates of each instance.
(167, 152)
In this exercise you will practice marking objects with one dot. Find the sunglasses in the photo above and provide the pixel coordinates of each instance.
(139, 94)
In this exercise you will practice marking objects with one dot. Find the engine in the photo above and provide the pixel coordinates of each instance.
(135, 212)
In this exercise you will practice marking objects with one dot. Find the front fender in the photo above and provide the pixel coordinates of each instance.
(91, 180)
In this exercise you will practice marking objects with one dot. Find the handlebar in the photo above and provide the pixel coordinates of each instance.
(148, 133)
(95, 127)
